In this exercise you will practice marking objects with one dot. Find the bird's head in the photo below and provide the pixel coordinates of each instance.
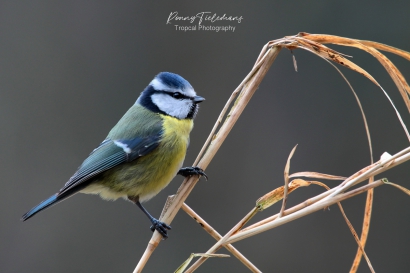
(171, 95)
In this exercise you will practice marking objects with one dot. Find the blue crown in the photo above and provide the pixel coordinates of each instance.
(173, 80)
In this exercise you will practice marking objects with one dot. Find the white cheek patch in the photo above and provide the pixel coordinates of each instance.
(123, 146)
(173, 107)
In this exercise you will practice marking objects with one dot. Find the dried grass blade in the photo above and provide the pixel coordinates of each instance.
(349, 224)
(402, 53)
(334, 56)
(324, 38)
(317, 175)
(395, 74)
(356, 237)
(397, 77)
(365, 227)
(316, 50)
(184, 265)
(286, 176)
(367, 46)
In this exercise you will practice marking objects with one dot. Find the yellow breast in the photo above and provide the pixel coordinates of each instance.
(168, 157)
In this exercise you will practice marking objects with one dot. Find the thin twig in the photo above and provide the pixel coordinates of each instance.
(349, 224)
(217, 237)
(222, 241)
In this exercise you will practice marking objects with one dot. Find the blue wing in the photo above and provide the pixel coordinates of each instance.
(107, 155)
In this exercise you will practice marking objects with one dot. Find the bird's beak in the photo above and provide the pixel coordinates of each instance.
(198, 99)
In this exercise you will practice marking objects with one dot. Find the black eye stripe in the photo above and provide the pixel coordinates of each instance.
(176, 95)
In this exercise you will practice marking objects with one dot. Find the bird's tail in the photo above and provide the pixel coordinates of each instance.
(52, 200)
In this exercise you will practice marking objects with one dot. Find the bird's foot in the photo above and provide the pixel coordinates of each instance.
(161, 227)
(188, 171)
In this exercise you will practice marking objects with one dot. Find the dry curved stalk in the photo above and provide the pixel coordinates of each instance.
(371, 48)
(403, 189)
(286, 176)
(369, 197)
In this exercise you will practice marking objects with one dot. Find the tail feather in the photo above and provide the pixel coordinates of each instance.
(52, 200)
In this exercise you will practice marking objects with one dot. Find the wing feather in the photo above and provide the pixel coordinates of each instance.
(108, 154)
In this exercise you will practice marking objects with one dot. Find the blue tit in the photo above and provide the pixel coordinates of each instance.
(143, 152)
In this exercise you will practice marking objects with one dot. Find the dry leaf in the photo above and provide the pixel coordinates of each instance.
(185, 264)
(277, 194)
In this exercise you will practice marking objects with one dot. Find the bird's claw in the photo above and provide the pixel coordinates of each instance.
(161, 227)
(188, 171)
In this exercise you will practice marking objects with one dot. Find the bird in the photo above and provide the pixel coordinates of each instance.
(143, 152)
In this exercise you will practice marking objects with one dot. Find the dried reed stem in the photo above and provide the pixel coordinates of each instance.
(248, 86)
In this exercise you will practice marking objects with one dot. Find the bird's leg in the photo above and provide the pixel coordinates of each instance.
(188, 171)
(161, 227)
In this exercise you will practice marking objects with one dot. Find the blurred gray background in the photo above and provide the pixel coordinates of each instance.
(70, 69)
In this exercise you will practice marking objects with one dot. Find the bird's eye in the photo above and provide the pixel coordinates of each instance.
(177, 95)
